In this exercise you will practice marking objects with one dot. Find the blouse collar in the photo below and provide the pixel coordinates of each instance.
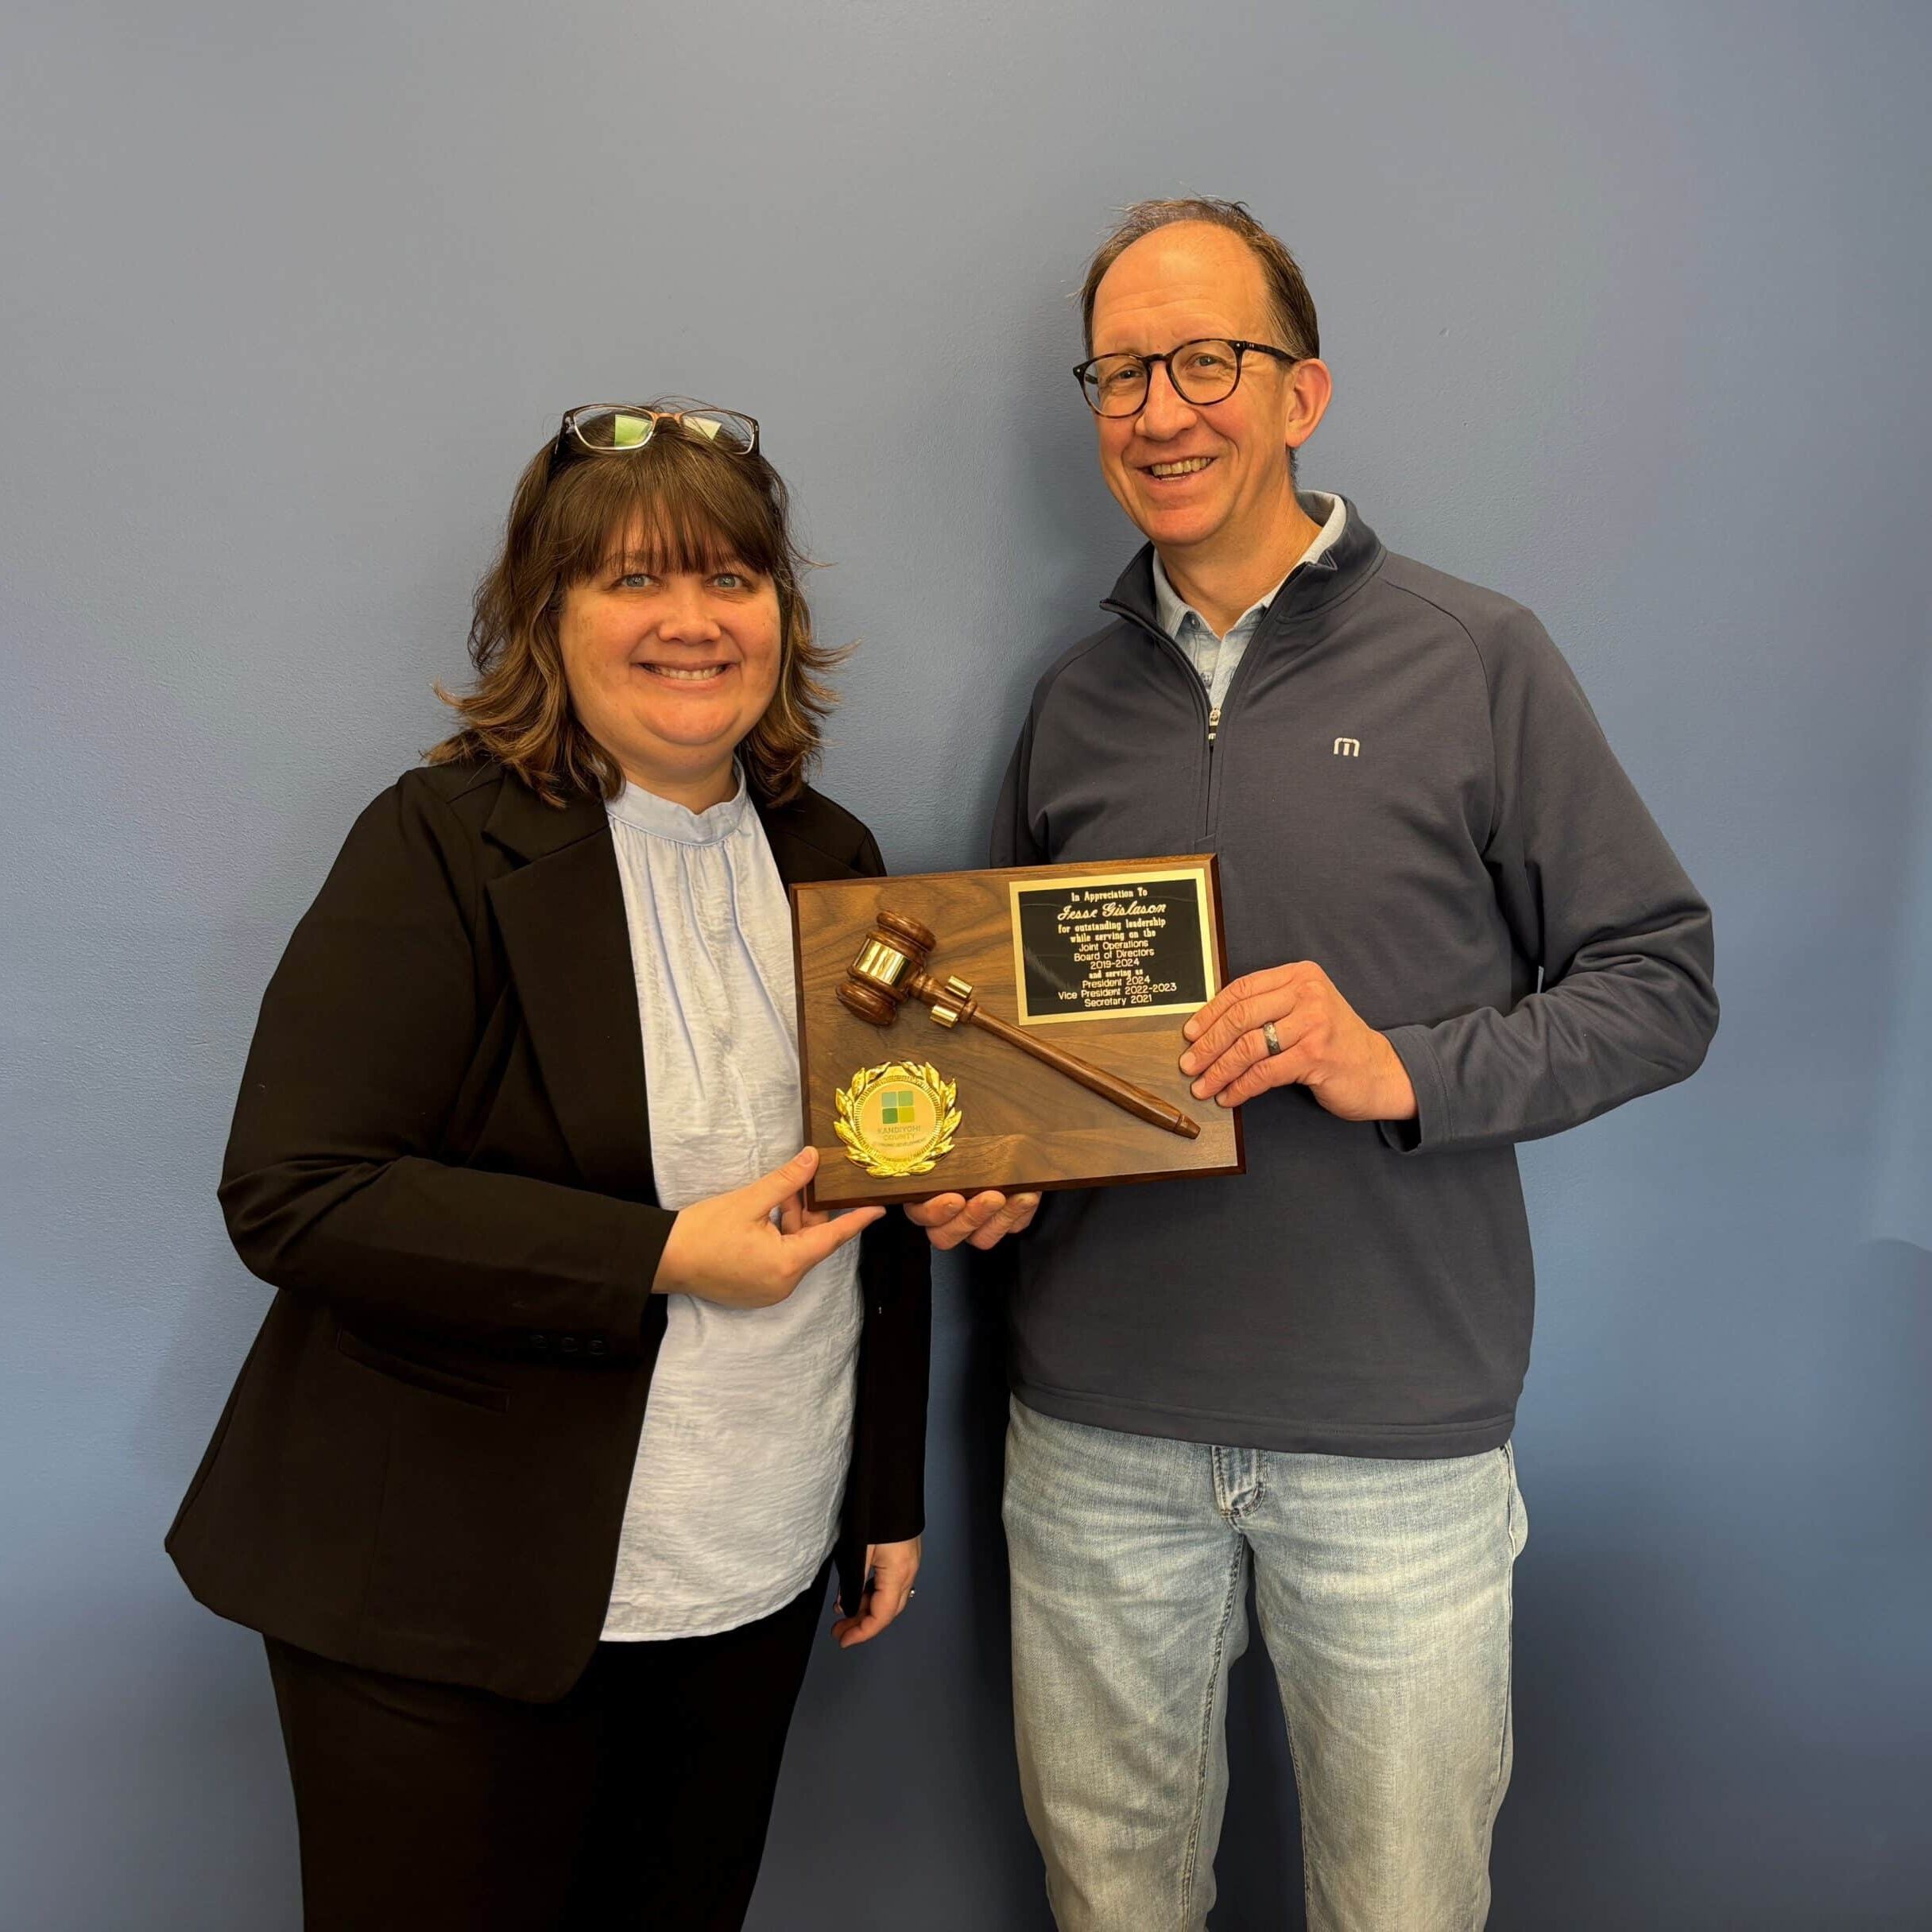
(662, 818)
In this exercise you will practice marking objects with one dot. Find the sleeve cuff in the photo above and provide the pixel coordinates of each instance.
(640, 1247)
(1430, 1127)
(898, 1526)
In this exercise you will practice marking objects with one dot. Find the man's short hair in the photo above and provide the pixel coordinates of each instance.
(1287, 294)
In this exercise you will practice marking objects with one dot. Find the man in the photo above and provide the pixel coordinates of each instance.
(1455, 927)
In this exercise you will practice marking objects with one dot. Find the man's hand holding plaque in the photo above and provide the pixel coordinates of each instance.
(984, 1221)
(1290, 1026)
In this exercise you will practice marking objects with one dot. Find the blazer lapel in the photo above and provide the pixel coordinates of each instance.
(561, 915)
(788, 830)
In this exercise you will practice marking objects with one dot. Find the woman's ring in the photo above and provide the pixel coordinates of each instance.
(1273, 1038)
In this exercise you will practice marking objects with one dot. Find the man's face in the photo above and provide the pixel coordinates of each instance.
(1193, 476)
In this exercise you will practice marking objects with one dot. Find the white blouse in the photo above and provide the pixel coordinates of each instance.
(734, 1498)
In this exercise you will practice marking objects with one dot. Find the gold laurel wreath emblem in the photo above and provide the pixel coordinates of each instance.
(860, 1150)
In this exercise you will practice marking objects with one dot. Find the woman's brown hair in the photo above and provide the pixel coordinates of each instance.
(695, 507)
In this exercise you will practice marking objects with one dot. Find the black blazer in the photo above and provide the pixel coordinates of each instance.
(441, 1161)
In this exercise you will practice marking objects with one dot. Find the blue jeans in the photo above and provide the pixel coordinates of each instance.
(1383, 1593)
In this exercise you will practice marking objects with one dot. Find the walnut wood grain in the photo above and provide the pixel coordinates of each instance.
(1025, 1124)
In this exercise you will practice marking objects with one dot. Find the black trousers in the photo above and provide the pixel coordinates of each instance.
(639, 1800)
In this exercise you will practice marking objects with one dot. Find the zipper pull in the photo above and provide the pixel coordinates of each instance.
(1213, 723)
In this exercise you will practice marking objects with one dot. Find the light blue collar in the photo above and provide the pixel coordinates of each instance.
(1174, 610)
(663, 817)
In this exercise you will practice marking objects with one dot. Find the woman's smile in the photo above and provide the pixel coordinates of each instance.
(684, 674)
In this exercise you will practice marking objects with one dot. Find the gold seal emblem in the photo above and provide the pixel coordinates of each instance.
(897, 1119)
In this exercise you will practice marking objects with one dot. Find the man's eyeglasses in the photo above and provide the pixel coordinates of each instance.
(1205, 370)
(600, 427)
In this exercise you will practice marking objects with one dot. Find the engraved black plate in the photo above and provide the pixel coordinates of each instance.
(1091, 947)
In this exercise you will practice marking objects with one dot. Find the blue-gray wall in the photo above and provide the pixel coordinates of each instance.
(1626, 305)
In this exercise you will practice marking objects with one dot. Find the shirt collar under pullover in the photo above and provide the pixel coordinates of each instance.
(1330, 570)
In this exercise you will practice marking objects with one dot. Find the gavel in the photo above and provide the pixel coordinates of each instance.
(890, 970)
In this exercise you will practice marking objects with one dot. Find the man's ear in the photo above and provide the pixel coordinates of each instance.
(1309, 387)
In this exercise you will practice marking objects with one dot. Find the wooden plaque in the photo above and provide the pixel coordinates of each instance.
(1102, 961)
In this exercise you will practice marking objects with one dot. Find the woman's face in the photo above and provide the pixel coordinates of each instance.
(668, 669)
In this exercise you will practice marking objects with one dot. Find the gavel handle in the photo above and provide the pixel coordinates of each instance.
(1109, 1087)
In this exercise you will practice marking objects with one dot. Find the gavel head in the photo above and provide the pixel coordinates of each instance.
(875, 983)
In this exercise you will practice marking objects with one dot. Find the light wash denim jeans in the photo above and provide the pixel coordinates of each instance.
(1383, 1593)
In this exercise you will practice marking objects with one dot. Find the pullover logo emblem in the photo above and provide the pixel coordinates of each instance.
(1348, 748)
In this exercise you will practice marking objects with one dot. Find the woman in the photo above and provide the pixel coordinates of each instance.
(530, 1478)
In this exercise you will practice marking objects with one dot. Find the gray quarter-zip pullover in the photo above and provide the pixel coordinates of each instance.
(1406, 786)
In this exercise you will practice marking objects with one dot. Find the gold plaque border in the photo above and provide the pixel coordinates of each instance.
(861, 1153)
(1204, 901)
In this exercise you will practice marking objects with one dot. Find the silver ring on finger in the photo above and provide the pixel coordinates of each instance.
(1272, 1039)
